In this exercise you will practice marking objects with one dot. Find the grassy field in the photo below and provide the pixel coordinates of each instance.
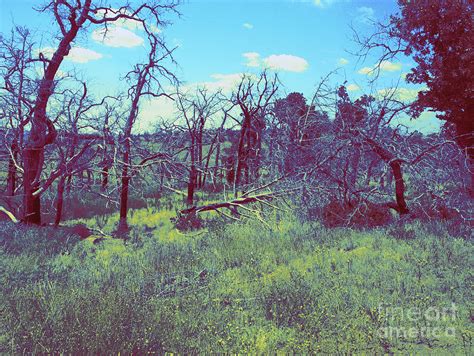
(296, 287)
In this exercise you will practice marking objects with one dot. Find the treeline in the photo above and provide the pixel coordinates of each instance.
(348, 161)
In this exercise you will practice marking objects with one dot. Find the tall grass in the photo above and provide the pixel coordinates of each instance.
(236, 288)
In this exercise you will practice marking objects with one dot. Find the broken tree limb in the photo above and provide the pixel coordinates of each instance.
(238, 202)
(9, 214)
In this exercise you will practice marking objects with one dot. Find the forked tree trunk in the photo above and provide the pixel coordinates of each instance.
(42, 131)
(396, 166)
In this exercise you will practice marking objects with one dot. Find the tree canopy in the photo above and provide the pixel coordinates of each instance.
(437, 34)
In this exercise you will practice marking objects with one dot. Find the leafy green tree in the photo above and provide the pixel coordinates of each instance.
(438, 36)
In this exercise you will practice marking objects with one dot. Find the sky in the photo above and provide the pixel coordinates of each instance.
(217, 41)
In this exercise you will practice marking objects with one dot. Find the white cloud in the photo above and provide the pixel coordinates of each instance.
(224, 82)
(324, 3)
(248, 26)
(388, 66)
(76, 54)
(152, 111)
(286, 62)
(402, 94)
(342, 61)
(384, 66)
(426, 123)
(276, 62)
(83, 55)
(117, 37)
(253, 59)
(365, 70)
(365, 15)
(353, 87)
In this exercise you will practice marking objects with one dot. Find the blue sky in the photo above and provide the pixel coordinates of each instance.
(218, 40)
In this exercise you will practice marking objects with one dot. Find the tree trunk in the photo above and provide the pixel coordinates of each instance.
(200, 159)
(240, 162)
(32, 204)
(105, 178)
(355, 167)
(123, 225)
(191, 186)
(396, 165)
(216, 162)
(59, 201)
(42, 131)
(399, 187)
(192, 173)
(11, 179)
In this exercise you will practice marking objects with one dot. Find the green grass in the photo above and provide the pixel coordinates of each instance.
(236, 288)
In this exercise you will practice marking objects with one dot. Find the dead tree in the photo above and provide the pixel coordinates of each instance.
(198, 109)
(17, 72)
(253, 96)
(71, 17)
(145, 83)
(78, 112)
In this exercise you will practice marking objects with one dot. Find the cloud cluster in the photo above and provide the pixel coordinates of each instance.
(115, 36)
(343, 61)
(247, 25)
(365, 15)
(353, 87)
(384, 66)
(402, 94)
(276, 62)
(76, 54)
(121, 33)
(324, 3)
(224, 82)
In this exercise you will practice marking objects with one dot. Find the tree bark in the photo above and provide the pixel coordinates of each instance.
(399, 186)
(32, 204)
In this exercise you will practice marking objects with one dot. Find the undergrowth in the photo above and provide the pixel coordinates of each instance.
(238, 288)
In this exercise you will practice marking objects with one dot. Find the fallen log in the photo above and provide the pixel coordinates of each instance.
(229, 205)
(233, 204)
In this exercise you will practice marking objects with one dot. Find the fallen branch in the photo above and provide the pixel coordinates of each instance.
(9, 215)
(239, 202)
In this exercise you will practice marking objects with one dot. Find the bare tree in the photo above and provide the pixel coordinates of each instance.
(253, 96)
(71, 17)
(197, 109)
(17, 71)
(146, 79)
